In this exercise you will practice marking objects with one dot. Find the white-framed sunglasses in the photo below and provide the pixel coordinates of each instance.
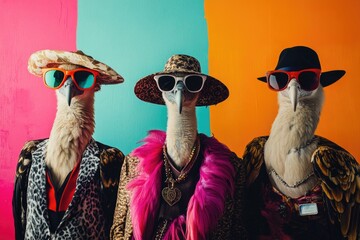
(193, 82)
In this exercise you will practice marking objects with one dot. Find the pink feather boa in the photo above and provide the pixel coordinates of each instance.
(205, 207)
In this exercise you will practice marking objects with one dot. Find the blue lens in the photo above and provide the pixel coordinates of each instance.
(53, 78)
(84, 79)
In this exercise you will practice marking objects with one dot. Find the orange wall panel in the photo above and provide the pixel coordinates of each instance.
(245, 40)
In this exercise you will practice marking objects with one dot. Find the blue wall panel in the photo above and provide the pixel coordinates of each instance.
(136, 38)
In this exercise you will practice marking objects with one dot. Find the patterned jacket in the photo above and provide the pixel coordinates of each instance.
(214, 210)
(90, 212)
(271, 215)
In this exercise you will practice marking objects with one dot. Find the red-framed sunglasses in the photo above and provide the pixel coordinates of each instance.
(83, 78)
(308, 79)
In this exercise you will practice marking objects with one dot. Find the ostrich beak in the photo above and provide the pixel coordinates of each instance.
(179, 94)
(293, 90)
(69, 90)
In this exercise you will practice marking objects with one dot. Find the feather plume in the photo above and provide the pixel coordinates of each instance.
(205, 207)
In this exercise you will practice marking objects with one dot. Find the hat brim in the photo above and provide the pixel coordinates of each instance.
(54, 58)
(212, 93)
(326, 78)
(263, 79)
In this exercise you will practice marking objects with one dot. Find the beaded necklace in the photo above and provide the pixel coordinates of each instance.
(298, 183)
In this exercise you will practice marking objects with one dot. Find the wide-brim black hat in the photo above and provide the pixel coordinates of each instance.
(213, 92)
(298, 58)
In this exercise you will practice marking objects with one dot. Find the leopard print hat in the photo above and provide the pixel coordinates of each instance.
(212, 93)
(54, 58)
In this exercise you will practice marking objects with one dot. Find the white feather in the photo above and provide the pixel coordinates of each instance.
(290, 131)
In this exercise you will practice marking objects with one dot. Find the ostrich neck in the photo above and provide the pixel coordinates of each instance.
(181, 134)
(293, 129)
(290, 146)
(70, 134)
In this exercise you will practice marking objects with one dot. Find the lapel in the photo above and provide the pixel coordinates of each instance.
(88, 168)
(205, 207)
(37, 187)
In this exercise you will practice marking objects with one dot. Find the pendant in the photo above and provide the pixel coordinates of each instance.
(171, 195)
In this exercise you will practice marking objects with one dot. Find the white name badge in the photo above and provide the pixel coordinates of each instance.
(308, 209)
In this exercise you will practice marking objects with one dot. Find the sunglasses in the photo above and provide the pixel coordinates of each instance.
(83, 78)
(308, 79)
(193, 82)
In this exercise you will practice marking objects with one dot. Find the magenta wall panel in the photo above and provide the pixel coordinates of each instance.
(27, 108)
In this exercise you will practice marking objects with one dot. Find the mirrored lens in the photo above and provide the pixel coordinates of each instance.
(278, 80)
(166, 83)
(53, 78)
(194, 83)
(84, 79)
(308, 80)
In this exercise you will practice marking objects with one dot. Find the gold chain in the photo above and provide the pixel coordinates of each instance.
(160, 232)
(186, 168)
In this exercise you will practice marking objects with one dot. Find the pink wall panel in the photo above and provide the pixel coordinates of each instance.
(27, 108)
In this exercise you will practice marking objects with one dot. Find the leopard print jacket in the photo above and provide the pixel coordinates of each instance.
(90, 213)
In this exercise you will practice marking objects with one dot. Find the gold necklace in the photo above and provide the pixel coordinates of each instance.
(172, 194)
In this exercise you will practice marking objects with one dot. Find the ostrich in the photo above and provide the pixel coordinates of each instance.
(309, 185)
(66, 185)
(180, 184)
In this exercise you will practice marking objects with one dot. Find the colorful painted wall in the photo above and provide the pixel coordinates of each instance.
(245, 40)
(133, 37)
(235, 41)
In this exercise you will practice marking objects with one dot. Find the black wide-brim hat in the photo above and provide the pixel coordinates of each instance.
(298, 58)
(212, 93)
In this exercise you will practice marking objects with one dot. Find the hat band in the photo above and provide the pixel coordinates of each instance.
(291, 69)
(180, 70)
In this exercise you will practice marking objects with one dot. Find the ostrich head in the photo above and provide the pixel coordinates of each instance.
(78, 83)
(75, 76)
(296, 92)
(298, 78)
(180, 90)
(72, 82)
(181, 84)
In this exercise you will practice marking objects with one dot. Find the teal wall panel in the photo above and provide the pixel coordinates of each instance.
(136, 37)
